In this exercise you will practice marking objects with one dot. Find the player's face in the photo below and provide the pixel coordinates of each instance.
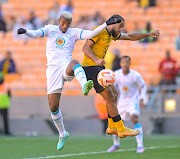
(125, 63)
(117, 28)
(64, 24)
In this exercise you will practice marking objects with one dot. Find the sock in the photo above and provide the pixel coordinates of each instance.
(111, 123)
(58, 121)
(116, 140)
(139, 138)
(80, 74)
(118, 123)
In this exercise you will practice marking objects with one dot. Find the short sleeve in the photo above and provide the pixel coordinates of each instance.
(79, 33)
(117, 37)
(45, 30)
(116, 75)
(95, 39)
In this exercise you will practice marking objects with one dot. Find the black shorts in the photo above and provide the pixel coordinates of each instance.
(91, 74)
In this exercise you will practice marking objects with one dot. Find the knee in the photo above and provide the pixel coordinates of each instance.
(75, 62)
(134, 120)
(53, 107)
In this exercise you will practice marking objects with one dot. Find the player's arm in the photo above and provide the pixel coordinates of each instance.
(88, 34)
(30, 33)
(142, 86)
(138, 36)
(89, 53)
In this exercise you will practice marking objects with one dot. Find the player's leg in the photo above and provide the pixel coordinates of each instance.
(116, 144)
(114, 118)
(139, 137)
(75, 69)
(5, 121)
(57, 118)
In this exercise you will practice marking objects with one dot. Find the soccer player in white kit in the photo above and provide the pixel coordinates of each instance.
(59, 46)
(132, 90)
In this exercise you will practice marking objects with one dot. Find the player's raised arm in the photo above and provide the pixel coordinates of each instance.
(138, 36)
(88, 34)
(30, 33)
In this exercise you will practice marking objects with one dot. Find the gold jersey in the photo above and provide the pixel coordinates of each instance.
(100, 47)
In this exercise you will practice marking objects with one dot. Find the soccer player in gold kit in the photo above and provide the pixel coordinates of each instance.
(94, 52)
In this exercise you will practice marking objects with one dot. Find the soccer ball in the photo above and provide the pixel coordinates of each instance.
(106, 77)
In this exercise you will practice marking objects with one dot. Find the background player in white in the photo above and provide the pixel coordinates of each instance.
(132, 90)
(59, 46)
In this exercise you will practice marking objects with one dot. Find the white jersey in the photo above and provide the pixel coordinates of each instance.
(129, 86)
(59, 45)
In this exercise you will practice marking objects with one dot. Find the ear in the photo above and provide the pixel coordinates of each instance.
(59, 20)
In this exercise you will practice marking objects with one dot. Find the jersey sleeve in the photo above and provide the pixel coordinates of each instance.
(45, 30)
(95, 39)
(117, 78)
(78, 33)
(141, 84)
(117, 37)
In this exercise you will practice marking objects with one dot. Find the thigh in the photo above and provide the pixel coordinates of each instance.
(55, 78)
(123, 111)
(124, 115)
(134, 108)
(91, 74)
(68, 73)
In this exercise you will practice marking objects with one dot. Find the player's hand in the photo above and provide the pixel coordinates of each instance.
(21, 31)
(100, 62)
(154, 34)
(113, 20)
(141, 104)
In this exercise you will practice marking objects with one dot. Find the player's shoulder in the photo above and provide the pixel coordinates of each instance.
(74, 30)
(119, 71)
(51, 27)
(135, 73)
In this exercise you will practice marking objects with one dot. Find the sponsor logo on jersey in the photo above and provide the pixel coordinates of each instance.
(125, 88)
(68, 35)
(60, 42)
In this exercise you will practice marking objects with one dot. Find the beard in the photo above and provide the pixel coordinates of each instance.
(114, 34)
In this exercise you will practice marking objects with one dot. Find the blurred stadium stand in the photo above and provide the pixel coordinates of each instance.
(30, 82)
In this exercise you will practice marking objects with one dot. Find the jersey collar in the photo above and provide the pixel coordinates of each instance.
(108, 32)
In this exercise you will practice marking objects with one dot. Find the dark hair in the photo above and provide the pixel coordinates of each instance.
(126, 57)
(116, 16)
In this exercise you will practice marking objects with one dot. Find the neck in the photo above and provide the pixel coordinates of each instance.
(125, 72)
(109, 29)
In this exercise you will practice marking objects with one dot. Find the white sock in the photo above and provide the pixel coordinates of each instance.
(58, 121)
(116, 140)
(139, 138)
(80, 74)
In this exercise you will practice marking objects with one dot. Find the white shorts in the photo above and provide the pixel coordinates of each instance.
(129, 109)
(56, 75)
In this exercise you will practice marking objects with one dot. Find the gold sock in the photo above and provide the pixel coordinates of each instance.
(120, 126)
(111, 124)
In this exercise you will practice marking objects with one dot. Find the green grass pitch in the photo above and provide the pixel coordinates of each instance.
(158, 147)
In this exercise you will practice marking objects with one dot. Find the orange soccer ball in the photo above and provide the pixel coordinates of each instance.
(106, 77)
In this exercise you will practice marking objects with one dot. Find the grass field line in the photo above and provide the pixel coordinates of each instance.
(101, 152)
